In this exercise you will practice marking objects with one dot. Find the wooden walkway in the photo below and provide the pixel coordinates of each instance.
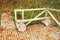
(8, 31)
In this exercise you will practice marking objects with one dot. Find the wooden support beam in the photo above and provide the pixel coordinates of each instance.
(26, 20)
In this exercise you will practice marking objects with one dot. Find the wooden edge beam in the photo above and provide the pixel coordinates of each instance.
(29, 9)
(58, 10)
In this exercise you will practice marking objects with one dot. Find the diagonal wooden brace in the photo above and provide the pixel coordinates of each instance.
(36, 17)
(53, 18)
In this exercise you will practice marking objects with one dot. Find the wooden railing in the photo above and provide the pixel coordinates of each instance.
(47, 10)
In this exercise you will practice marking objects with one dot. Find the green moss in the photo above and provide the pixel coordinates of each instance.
(58, 27)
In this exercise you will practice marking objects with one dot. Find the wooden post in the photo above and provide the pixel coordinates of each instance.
(46, 14)
(15, 15)
(22, 15)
